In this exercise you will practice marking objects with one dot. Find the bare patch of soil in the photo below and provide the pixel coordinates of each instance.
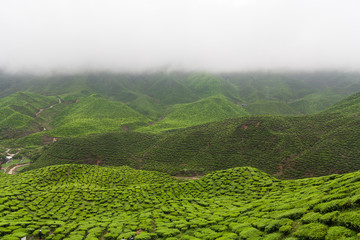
(13, 170)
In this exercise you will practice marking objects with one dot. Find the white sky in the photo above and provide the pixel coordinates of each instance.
(211, 35)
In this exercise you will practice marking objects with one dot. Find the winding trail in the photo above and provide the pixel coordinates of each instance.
(42, 109)
(13, 170)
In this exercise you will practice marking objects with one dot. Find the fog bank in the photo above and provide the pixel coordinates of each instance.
(207, 35)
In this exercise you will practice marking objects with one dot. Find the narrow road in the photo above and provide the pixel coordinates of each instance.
(13, 170)
(9, 156)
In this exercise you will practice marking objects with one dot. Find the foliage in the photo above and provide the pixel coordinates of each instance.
(91, 202)
(18, 113)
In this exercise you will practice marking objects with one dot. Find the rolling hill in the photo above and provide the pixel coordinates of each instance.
(288, 147)
(187, 123)
(91, 202)
(19, 113)
(206, 110)
(95, 114)
(151, 94)
(241, 132)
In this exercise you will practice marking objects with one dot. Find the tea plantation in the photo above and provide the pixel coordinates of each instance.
(91, 202)
(18, 113)
(287, 147)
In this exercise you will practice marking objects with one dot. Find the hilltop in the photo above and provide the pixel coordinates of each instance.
(91, 202)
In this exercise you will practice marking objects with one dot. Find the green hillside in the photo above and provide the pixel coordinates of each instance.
(102, 147)
(95, 114)
(318, 101)
(84, 116)
(91, 202)
(114, 149)
(270, 108)
(194, 122)
(152, 94)
(18, 113)
(206, 110)
(349, 105)
(288, 147)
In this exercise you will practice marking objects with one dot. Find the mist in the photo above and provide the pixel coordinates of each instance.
(185, 35)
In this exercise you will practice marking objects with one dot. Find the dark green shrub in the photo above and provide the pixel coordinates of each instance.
(167, 232)
(274, 225)
(218, 228)
(312, 231)
(228, 236)
(337, 232)
(286, 229)
(350, 220)
(334, 205)
(144, 236)
(273, 236)
(311, 217)
(293, 213)
(250, 233)
(238, 227)
(329, 218)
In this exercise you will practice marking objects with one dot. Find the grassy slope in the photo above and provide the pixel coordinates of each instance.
(349, 105)
(206, 110)
(18, 113)
(79, 201)
(115, 149)
(289, 147)
(318, 101)
(266, 107)
(152, 93)
(95, 114)
(86, 115)
(303, 143)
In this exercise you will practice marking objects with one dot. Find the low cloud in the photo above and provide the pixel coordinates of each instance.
(211, 35)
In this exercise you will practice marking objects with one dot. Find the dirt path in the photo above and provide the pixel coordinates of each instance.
(42, 109)
(13, 170)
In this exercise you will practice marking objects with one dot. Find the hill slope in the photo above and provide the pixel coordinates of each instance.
(18, 113)
(206, 110)
(152, 93)
(288, 147)
(114, 149)
(95, 114)
(90, 202)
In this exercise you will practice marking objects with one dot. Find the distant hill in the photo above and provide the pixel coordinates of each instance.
(151, 94)
(206, 110)
(349, 105)
(155, 102)
(264, 107)
(95, 114)
(18, 113)
(186, 123)
(288, 147)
